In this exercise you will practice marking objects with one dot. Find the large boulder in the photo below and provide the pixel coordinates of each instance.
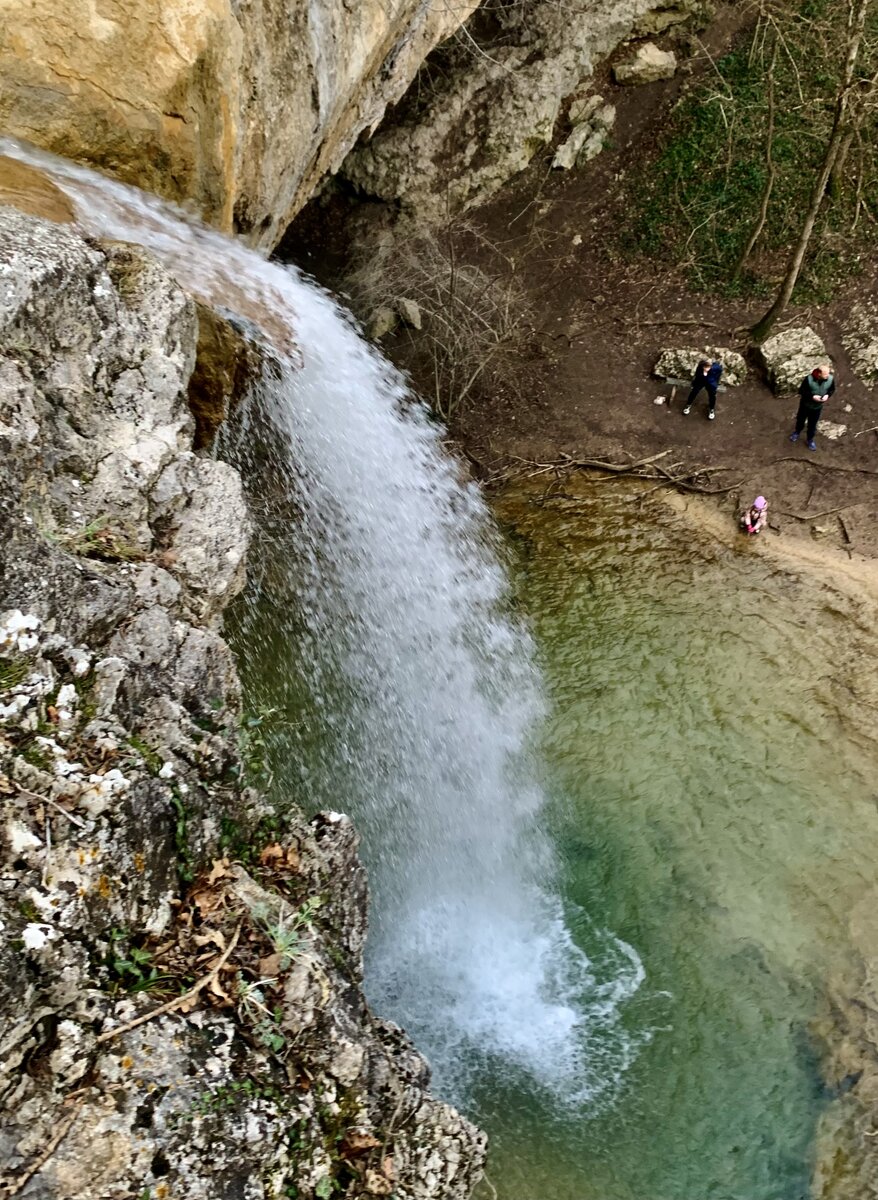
(789, 356)
(681, 363)
(238, 109)
(473, 123)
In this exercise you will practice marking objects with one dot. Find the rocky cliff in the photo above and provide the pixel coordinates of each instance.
(474, 120)
(239, 106)
(180, 1004)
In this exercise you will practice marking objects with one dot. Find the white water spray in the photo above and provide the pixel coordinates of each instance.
(376, 591)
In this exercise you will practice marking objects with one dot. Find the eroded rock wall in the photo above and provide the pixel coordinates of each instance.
(475, 120)
(237, 106)
(181, 1012)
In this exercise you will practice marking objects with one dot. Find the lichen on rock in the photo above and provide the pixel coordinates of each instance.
(181, 1011)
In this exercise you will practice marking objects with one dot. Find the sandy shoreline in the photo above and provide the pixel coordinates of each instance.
(856, 574)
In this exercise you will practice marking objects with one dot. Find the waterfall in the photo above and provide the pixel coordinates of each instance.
(379, 612)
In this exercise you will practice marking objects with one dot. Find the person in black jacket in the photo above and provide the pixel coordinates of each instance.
(814, 390)
(707, 376)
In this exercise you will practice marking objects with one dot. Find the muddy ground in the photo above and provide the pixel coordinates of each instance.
(579, 380)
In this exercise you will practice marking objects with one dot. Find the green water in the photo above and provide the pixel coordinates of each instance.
(712, 760)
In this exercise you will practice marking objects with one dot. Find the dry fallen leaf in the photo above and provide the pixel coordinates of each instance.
(377, 1185)
(269, 967)
(218, 870)
(355, 1142)
(210, 937)
(280, 857)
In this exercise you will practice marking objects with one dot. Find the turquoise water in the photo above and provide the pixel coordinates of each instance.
(711, 754)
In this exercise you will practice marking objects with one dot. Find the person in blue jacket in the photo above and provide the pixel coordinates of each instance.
(707, 376)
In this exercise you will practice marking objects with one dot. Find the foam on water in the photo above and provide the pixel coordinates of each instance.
(376, 585)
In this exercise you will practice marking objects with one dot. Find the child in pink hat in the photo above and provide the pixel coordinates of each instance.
(754, 519)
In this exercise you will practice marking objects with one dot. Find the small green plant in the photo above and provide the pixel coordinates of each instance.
(151, 757)
(181, 837)
(263, 1020)
(254, 748)
(286, 930)
(100, 539)
(130, 966)
(13, 673)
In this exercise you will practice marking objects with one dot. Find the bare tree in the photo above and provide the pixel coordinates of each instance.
(857, 13)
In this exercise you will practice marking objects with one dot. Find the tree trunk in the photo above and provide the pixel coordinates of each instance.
(856, 24)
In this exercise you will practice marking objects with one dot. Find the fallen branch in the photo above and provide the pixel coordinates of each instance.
(810, 462)
(178, 1001)
(598, 464)
(674, 321)
(871, 429)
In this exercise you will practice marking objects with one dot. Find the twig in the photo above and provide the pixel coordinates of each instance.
(54, 1142)
(178, 1001)
(490, 1186)
(72, 817)
(871, 429)
(672, 321)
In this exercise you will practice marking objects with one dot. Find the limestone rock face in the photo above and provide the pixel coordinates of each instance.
(861, 340)
(681, 363)
(790, 355)
(238, 108)
(467, 129)
(648, 65)
(123, 801)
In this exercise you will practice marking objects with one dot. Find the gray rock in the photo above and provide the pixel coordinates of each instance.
(648, 65)
(832, 430)
(409, 312)
(120, 768)
(382, 321)
(679, 363)
(592, 121)
(860, 339)
(790, 355)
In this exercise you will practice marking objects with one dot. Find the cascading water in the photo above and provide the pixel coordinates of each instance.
(376, 592)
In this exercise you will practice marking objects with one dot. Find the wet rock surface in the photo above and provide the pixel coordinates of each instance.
(181, 1010)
